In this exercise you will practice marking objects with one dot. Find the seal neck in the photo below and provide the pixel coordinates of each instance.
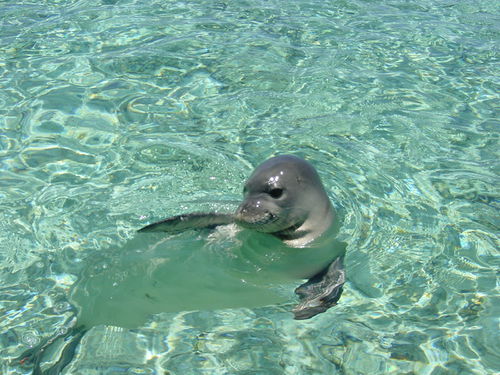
(319, 225)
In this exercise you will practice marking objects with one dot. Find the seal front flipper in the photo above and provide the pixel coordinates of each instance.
(195, 220)
(320, 292)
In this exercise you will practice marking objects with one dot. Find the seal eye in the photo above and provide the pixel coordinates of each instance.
(276, 193)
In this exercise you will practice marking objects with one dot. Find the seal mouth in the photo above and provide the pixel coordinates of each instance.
(256, 222)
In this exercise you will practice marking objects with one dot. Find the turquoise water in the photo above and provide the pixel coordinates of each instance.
(114, 114)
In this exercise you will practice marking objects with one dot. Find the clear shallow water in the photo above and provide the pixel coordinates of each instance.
(116, 114)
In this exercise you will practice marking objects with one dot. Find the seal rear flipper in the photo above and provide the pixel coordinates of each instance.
(195, 220)
(320, 292)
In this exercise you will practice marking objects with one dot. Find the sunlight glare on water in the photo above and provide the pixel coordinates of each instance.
(118, 113)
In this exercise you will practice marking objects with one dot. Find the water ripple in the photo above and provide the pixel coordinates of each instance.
(120, 112)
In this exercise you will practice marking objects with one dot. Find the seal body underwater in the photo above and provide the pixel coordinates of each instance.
(283, 197)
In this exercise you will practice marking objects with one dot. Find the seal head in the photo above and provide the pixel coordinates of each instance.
(284, 196)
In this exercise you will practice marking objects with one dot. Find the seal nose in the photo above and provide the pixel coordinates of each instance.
(248, 207)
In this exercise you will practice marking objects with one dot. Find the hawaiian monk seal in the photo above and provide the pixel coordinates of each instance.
(284, 197)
